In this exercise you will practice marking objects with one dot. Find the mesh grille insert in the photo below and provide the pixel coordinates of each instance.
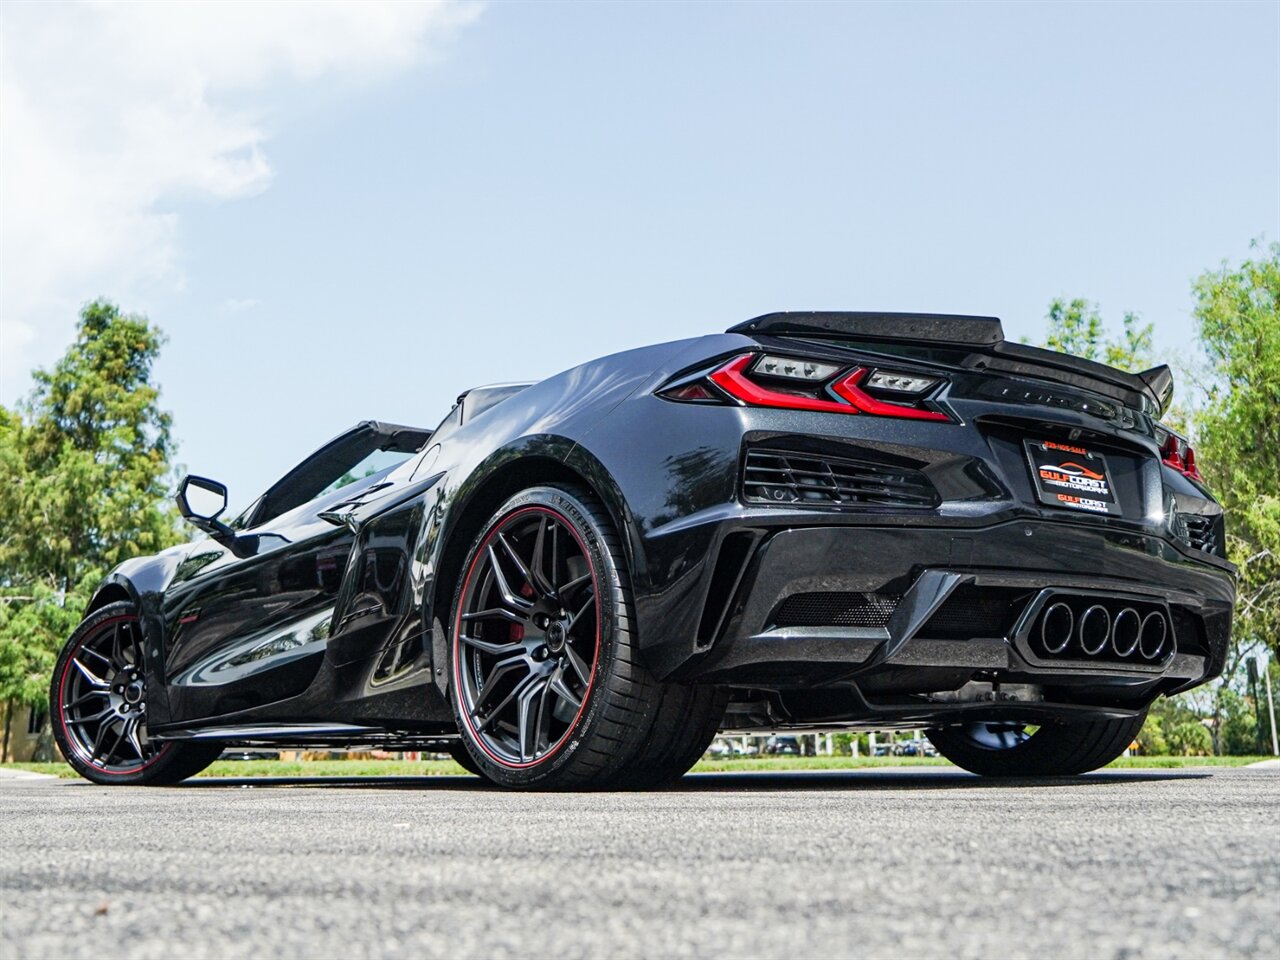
(976, 612)
(836, 610)
(784, 477)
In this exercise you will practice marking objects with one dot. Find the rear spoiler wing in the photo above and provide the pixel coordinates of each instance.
(982, 337)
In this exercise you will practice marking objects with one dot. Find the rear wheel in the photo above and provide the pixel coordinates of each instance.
(547, 689)
(464, 759)
(1002, 749)
(98, 704)
(685, 722)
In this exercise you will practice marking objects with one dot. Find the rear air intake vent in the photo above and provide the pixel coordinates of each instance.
(836, 610)
(784, 477)
(1197, 531)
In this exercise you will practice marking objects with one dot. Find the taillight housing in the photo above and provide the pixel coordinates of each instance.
(795, 383)
(1175, 452)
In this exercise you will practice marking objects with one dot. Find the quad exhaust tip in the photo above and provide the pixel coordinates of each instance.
(1126, 631)
(1104, 629)
(1056, 627)
(1095, 630)
(1155, 630)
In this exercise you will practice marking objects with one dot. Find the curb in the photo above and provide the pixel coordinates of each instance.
(8, 774)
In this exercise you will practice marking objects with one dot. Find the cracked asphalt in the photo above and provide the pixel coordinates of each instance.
(907, 862)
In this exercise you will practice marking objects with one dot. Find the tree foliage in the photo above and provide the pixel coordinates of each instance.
(1234, 418)
(1237, 432)
(1076, 327)
(84, 463)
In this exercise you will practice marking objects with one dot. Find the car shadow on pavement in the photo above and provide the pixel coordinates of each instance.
(743, 781)
(923, 779)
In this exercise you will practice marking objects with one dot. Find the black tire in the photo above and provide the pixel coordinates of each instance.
(619, 696)
(101, 669)
(1056, 750)
(686, 721)
(462, 757)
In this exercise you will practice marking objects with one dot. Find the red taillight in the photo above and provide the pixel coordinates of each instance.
(732, 378)
(1189, 465)
(848, 387)
(1177, 453)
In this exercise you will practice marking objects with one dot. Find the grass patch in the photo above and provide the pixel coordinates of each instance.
(447, 768)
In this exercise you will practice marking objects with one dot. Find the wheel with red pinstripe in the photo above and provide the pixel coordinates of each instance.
(98, 707)
(546, 687)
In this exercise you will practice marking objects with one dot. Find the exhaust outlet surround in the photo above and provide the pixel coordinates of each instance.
(1094, 630)
(1056, 628)
(1126, 630)
(1155, 629)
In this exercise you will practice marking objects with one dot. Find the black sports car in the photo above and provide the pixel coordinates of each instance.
(812, 521)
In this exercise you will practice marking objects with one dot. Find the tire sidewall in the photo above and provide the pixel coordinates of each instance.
(610, 598)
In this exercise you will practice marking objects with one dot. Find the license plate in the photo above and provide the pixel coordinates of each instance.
(1070, 476)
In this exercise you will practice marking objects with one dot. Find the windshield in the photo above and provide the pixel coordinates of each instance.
(376, 462)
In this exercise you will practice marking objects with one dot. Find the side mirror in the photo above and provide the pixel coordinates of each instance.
(201, 501)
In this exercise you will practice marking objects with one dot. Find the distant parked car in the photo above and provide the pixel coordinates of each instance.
(242, 753)
(720, 749)
(783, 747)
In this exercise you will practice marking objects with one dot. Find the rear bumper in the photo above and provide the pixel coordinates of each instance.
(918, 570)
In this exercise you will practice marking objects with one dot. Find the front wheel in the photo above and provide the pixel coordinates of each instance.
(98, 705)
(1003, 749)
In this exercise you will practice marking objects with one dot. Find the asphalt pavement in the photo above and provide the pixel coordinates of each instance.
(918, 862)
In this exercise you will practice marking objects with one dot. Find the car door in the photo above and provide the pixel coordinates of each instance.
(247, 617)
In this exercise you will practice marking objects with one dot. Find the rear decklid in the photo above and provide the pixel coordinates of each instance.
(974, 343)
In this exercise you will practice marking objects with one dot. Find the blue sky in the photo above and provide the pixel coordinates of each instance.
(343, 213)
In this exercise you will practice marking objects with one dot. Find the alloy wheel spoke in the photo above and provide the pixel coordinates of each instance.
(573, 621)
(579, 665)
(90, 718)
(94, 653)
(527, 718)
(131, 731)
(504, 589)
(542, 732)
(100, 741)
(91, 694)
(525, 572)
(574, 584)
(117, 654)
(500, 670)
(493, 714)
(497, 613)
(90, 677)
(493, 649)
(538, 567)
(561, 690)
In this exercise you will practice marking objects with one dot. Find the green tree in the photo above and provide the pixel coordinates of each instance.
(1076, 327)
(1190, 739)
(84, 464)
(1237, 433)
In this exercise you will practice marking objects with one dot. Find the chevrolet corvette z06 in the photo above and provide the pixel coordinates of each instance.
(813, 521)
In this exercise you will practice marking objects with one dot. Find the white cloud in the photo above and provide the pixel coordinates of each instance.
(239, 306)
(111, 113)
